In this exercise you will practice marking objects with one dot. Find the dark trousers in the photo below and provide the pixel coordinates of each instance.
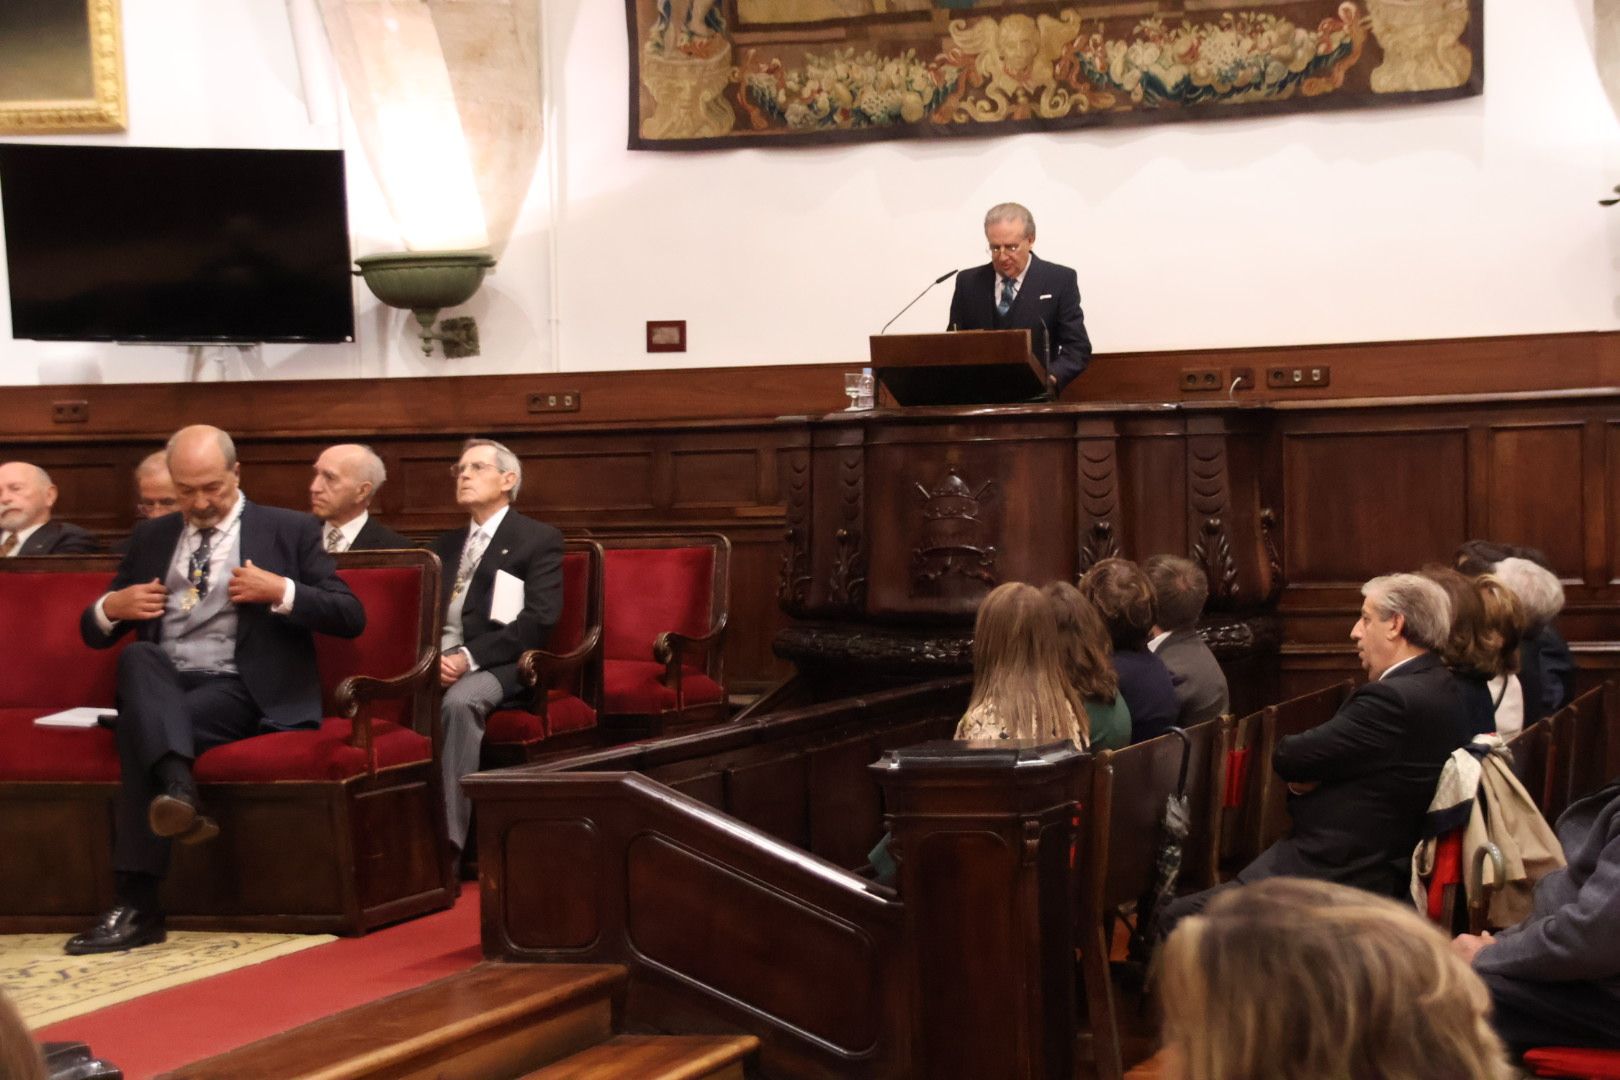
(1531, 1014)
(162, 710)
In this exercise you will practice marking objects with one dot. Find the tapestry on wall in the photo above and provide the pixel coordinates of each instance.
(724, 73)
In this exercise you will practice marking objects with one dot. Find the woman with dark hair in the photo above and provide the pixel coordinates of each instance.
(1123, 596)
(1482, 649)
(1089, 666)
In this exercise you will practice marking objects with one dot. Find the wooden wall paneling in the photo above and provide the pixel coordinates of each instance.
(1596, 477)
(837, 530)
(1611, 471)
(1370, 502)
(1100, 513)
(1535, 493)
(1153, 471)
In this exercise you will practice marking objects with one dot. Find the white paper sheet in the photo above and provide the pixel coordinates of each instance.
(506, 598)
(84, 716)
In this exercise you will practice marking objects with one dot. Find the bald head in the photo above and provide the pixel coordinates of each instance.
(347, 477)
(202, 464)
(26, 496)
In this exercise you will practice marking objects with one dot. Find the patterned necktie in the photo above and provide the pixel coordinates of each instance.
(334, 539)
(471, 552)
(197, 573)
(1007, 286)
(8, 546)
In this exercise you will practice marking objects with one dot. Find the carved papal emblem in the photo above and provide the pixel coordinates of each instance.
(955, 537)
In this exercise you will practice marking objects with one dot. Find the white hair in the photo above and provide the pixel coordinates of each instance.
(1538, 589)
(505, 460)
(1011, 211)
(1423, 606)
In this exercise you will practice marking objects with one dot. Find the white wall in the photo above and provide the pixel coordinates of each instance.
(1468, 218)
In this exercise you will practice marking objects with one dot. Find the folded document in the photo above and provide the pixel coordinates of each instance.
(82, 717)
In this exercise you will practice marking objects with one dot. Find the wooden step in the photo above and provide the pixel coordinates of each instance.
(656, 1057)
(492, 1022)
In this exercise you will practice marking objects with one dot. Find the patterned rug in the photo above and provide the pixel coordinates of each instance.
(47, 985)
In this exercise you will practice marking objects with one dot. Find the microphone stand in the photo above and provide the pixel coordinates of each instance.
(943, 277)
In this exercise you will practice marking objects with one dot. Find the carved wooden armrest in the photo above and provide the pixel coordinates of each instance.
(355, 694)
(543, 670)
(670, 647)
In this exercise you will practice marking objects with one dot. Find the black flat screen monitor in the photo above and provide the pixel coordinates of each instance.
(149, 244)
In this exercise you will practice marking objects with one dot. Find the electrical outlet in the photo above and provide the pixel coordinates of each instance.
(554, 401)
(1310, 377)
(1200, 379)
(1240, 378)
(70, 412)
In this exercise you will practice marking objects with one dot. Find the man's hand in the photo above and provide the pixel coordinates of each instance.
(136, 603)
(1304, 787)
(452, 666)
(1468, 946)
(251, 585)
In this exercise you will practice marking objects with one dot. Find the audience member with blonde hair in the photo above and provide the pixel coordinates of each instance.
(1482, 648)
(1290, 979)
(1123, 596)
(1020, 689)
(1084, 639)
(20, 1057)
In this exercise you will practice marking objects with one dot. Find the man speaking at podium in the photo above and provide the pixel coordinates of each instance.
(1017, 291)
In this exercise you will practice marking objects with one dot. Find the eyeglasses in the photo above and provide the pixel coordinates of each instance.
(1006, 249)
(470, 468)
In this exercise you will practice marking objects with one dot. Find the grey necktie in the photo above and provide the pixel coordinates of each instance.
(471, 552)
(1008, 285)
(334, 539)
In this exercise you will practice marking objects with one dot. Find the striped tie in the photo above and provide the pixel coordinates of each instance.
(1007, 286)
(334, 539)
(9, 546)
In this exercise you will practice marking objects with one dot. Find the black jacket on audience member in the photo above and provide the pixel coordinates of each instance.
(1375, 764)
(1149, 692)
(375, 536)
(60, 538)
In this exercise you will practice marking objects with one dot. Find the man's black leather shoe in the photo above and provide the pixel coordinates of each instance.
(121, 928)
(174, 814)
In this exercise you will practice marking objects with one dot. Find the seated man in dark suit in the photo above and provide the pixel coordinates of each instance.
(1120, 592)
(1180, 588)
(1017, 291)
(1360, 784)
(225, 598)
(1555, 978)
(502, 596)
(154, 490)
(26, 498)
(347, 479)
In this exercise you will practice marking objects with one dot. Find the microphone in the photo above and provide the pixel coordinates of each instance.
(1046, 342)
(943, 277)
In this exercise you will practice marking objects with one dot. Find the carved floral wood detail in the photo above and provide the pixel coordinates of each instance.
(1208, 498)
(846, 587)
(793, 590)
(1099, 502)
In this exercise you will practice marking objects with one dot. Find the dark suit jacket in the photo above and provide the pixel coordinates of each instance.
(375, 536)
(1200, 683)
(60, 538)
(275, 654)
(1145, 684)
(528, 550)
(1376, 764)
(1048, 303)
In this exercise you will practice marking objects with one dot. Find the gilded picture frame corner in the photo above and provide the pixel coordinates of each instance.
(106, 111)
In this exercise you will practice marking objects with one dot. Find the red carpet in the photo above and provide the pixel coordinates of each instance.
(165, 1030)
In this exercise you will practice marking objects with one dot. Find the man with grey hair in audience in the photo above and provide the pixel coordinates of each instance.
(347, 479)
(1016, 290)
(1360, 783)
(502, 595)
(1180, 588)
(26, 499)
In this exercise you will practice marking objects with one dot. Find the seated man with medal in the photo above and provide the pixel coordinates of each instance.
(224, 597)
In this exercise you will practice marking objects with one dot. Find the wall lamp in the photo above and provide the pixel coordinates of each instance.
(423, 283)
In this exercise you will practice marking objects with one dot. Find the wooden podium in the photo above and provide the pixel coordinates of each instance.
(965, 367)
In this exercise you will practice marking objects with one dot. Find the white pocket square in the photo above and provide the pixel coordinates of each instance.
(1046, 296)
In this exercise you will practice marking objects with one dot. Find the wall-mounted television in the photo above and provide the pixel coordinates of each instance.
(159, 244)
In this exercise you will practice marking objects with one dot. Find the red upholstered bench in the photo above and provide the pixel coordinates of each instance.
(566, 675)
(1570, 1061)
(665, 601)
(337, 828)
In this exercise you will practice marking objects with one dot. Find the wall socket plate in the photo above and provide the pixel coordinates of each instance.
(70, 412)
(1305, 377)
(554, 401)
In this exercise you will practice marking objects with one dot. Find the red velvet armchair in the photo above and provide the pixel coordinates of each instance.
(666, 599)
(337, 829)
(566, 675)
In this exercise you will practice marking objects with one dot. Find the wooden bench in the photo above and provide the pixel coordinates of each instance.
(336, 829)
